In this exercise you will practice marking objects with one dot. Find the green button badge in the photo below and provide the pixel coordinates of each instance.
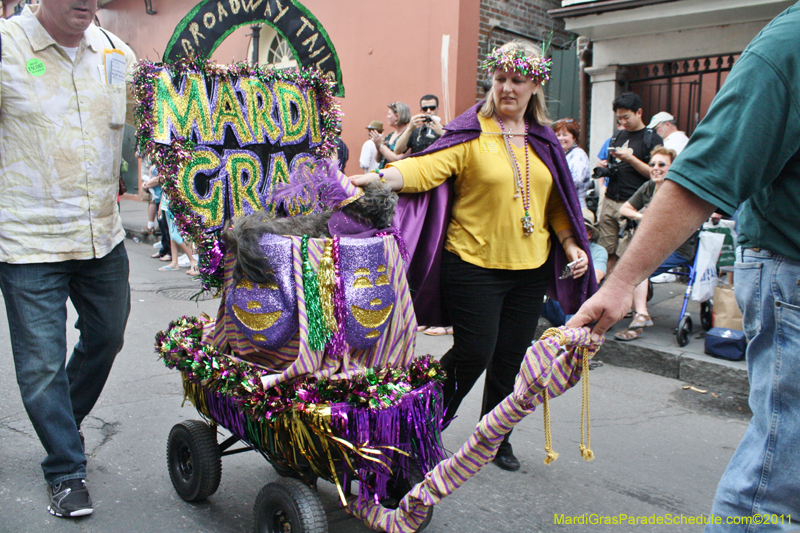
(35, 67)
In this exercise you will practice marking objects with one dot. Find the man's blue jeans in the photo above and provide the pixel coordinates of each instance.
(763, 477)
(57, 398)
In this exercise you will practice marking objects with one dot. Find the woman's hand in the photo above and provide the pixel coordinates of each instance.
(391, 176)
(362, 179)
(376, 138)
(575, 253)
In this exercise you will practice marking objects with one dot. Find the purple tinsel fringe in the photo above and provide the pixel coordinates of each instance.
(226, 413)
(412, 426)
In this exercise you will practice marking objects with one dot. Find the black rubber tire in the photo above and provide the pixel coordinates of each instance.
(289, 506)
(707, 314)
(684, 331)
(193, 460)
(284, 471)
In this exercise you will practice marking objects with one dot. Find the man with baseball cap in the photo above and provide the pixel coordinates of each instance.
(665, 126)
(367, 160)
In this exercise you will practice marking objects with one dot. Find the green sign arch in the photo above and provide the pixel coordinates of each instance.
(211, 21)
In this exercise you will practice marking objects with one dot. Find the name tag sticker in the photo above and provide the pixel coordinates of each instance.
(489, 146)
(115, 66)
(35, 67)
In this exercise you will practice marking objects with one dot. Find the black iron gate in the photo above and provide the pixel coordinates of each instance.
(683, 88)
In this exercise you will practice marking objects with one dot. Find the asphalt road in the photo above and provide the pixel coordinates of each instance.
(660, 449)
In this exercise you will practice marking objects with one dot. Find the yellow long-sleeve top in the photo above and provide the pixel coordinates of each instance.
(485, 227)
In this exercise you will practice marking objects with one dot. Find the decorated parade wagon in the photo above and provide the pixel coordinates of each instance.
(312, 366)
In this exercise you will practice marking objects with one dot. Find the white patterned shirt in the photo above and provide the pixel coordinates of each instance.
(61, 128)
(578, 163)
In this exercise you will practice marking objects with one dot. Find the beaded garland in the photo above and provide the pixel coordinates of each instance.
(537, 68)
(527, 223)
(170, 137)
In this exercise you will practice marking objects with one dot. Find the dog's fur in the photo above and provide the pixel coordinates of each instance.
(376, 206)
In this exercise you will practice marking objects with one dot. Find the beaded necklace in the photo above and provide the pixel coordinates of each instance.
(527, 223)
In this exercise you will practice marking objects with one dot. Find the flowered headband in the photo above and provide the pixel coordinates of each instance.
(538, 68)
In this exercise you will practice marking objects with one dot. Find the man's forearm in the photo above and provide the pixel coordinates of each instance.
(673, 215)
(640, 166)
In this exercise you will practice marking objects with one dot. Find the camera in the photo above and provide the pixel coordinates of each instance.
(629, 228)
(605, 172)
(427, 118)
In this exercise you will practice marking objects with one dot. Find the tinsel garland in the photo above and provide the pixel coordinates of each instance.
(182, 348)
(318, 333)
(377, 427)
(171, 159)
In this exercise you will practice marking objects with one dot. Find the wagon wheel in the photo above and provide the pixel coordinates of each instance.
(684, 331)
(193, 460)
(706, 314)
(289, 506)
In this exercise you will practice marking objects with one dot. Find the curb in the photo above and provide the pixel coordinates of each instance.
(683, 367)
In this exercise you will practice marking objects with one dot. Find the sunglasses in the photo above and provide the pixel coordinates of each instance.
(660, 164)
(429, 108)
(393, 106)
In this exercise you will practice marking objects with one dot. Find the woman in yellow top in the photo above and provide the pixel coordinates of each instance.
(506, 209)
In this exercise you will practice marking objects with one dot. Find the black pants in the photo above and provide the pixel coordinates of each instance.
(494, 314)
(164, 227)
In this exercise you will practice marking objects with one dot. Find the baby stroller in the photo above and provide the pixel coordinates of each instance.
(689, 271)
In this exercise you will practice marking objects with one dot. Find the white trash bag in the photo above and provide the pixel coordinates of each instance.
(705, 279)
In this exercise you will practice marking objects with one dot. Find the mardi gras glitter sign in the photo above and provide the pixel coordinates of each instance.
(222, 137)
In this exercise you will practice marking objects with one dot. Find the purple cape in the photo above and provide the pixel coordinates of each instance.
(423, 219)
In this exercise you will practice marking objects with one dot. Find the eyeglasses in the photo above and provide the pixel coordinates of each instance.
(429, 108)
(660, 164)
(566, 120)
(393, 106)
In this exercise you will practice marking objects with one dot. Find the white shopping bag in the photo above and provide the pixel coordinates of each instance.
(709, 247)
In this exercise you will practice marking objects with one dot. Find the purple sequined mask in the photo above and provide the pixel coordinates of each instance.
(267, 314)
(369, 294)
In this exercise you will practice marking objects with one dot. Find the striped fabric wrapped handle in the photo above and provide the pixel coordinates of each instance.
(551, 365)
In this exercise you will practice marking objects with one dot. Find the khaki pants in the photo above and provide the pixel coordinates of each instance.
(608, 225)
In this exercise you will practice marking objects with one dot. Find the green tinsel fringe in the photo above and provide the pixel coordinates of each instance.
(318, 333)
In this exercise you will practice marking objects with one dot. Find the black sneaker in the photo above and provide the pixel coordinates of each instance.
(69, 499)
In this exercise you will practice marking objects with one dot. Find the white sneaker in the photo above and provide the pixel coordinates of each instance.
(157, 244)
(183, 261)
(666, 277)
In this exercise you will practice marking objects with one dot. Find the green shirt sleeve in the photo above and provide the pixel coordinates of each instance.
(749, 134)
(642, 196)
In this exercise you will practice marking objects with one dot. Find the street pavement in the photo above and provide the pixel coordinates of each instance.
(660, 447)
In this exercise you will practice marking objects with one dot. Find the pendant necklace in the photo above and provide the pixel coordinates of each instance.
(525, 192)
